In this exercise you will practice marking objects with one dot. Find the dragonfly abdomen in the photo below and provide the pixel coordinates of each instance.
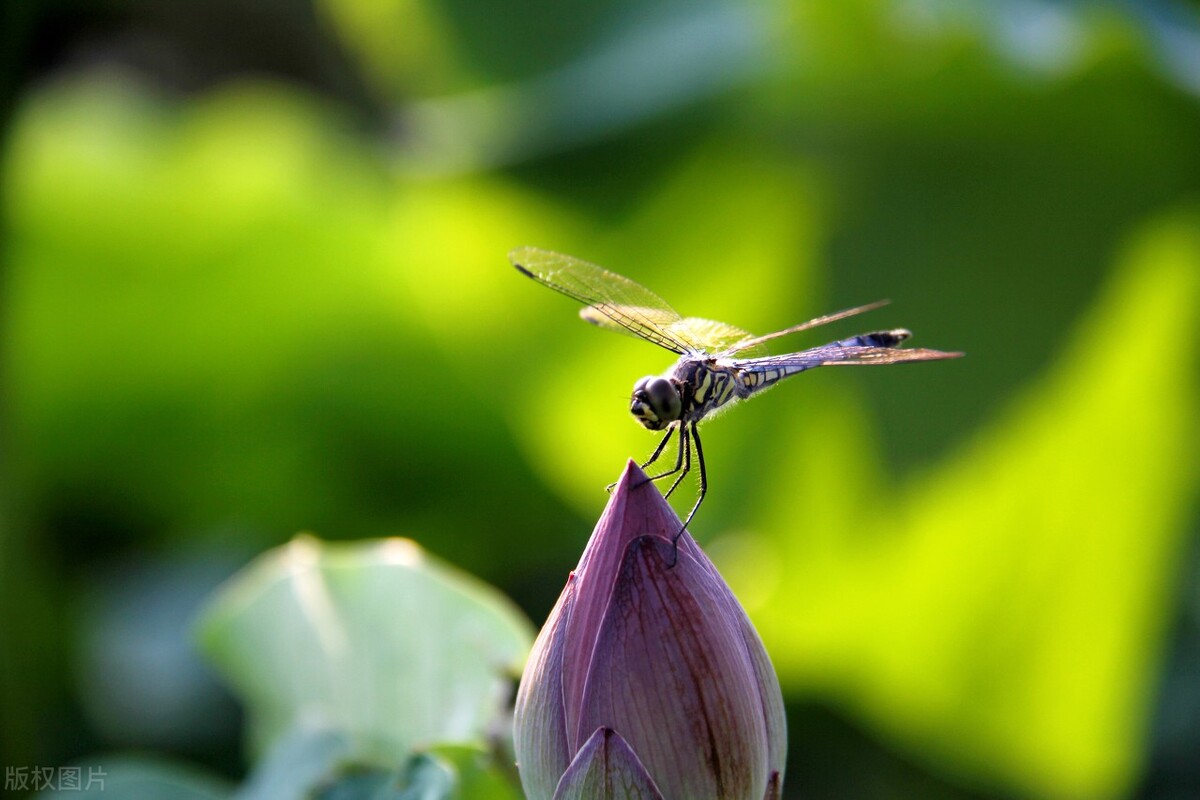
(758, 379)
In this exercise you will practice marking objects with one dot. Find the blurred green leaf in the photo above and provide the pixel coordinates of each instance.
(304, 758)
(1005, 612)
(319, 764)
(446, 773)
(169, 263)
(427, 778)
(423, 61)
(651, 65)
(139, 778)
(367, 784)
(375, 640)
(478, 773)
(221, 315)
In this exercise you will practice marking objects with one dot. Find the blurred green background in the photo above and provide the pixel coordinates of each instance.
(254, 282)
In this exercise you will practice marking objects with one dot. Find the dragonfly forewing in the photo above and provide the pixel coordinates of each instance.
(622, 304)
(747, 347)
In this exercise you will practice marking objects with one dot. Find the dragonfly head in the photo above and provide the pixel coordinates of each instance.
(656, 402)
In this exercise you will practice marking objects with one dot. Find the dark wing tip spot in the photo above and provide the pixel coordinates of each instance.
(892, 338)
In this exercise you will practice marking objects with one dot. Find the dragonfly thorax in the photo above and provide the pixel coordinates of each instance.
(656, 402)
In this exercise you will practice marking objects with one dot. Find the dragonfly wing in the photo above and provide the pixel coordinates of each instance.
(838, 355)
(614, 301)
(716, 337)
(752, 346)
(700, 334)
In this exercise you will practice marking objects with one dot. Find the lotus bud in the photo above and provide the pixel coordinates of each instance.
(648, 679)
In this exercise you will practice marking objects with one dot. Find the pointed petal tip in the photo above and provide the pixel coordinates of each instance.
(632, 477)
(637, 507)
(635, 483)
(606, 767)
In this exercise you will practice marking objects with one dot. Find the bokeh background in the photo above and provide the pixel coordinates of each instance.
(254, 281)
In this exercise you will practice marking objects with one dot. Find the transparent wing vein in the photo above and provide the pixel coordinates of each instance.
(614, 301)
(838, 355)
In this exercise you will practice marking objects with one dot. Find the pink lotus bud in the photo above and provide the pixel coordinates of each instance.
(648, 680)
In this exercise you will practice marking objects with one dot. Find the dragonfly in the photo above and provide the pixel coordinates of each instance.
(718, 364)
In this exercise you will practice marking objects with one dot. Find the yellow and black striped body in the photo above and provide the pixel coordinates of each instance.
(706, 384)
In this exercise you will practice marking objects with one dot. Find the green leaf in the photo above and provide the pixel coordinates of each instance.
(480, 776)
(135, 778)
(1005, 614)
(444, 773)
(375, 640)
(298, 762)
(424, 777)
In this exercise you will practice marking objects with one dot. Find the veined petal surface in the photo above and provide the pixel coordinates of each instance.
(606, 769)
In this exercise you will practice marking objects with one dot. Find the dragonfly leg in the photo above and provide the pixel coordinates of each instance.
(678, 457)
(653, 457)
(703, 484)
(658, 450)
(685, 452)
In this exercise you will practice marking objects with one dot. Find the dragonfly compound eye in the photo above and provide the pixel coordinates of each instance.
(655, 402)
